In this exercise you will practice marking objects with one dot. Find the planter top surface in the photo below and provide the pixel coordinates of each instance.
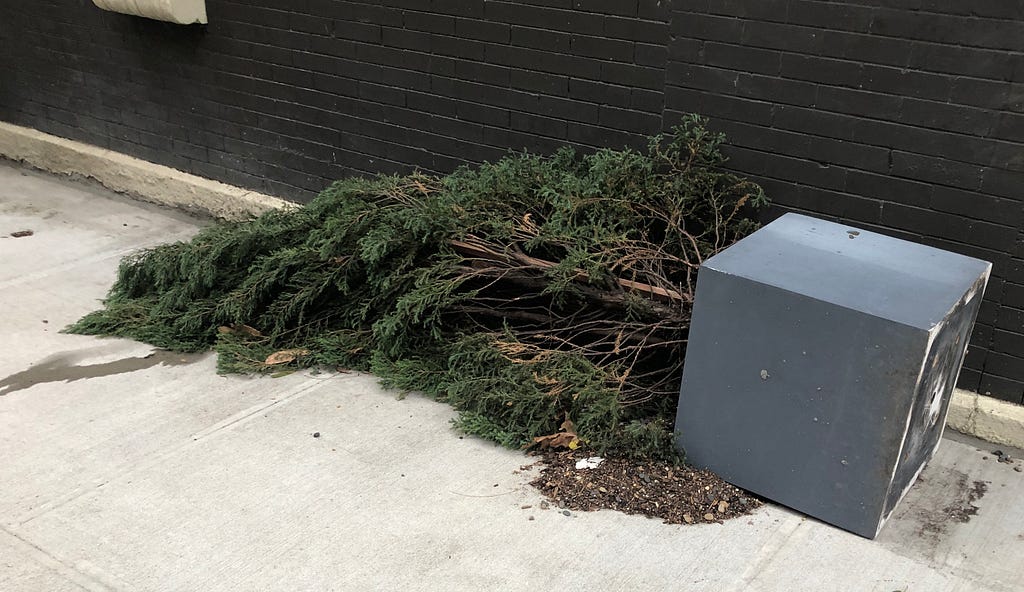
(857, 269)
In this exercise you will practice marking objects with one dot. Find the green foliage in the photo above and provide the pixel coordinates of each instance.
(520, 292)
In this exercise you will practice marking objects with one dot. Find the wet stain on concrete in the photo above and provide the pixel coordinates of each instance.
(62, 368)
(942, 499)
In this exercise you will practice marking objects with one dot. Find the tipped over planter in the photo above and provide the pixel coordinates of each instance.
(821, 362)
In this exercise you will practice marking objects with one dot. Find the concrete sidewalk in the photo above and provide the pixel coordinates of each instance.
(121, 472)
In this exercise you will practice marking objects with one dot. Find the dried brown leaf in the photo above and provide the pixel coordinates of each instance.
(284, 356)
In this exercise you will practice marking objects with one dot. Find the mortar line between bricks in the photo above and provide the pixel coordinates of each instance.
(48, 561)
(195, 440)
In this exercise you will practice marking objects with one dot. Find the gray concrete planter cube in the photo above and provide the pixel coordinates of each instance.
(820, 365)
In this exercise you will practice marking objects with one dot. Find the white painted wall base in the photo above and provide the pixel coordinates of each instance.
(138, 178)
(182, 12)
(986, 418)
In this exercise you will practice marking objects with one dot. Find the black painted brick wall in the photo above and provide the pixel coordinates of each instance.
(284, 97)
(901, 116)
(904, 116)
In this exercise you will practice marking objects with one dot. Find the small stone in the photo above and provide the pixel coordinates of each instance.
(566, 513)
(1018, 469)
(997, 452)
(544, 505)
(526, 507)
(530, 518)
(709, 517)
(316, 434)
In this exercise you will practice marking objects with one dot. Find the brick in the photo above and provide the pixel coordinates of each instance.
(635, 30)
(977, 205)
(827, 71)
(768, 10)
(458, 48)
(901, 81)
(482, 114)
(1009, 126)
(467, 8)
(599, 92)
(1002, 388)
(648, 54)
(484, 73)
(969, 379)
(653, 10)
(957, 118)
(630, 75)
(1007, 341)
(629, 120)
(761, 138)
(842, 16)
(382, 94)
(917, 220)
(554, 63)
(858, 102)
(808, 172)
(620, 7)
(739, 57)
(540, 38)
(601, 137)
(368, 32)
(514, 140)
(1005, 366)
(540, 82)
(544, 17)
(1013, 295)
(482, 30)
(980, 63)
(431, 23)
(813, 121)
(716, 80)
(1001, 182)
(651, 101)
(703, 26)
(924, 141)
(850, 208)
(782, 36)
(867, 48)
(600, 47)
(998, 95)
(934, 170)
(793, 92)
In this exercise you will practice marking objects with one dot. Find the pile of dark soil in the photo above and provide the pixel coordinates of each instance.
(677, 494)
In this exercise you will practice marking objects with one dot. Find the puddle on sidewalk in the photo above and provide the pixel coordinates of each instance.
(62, 368)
